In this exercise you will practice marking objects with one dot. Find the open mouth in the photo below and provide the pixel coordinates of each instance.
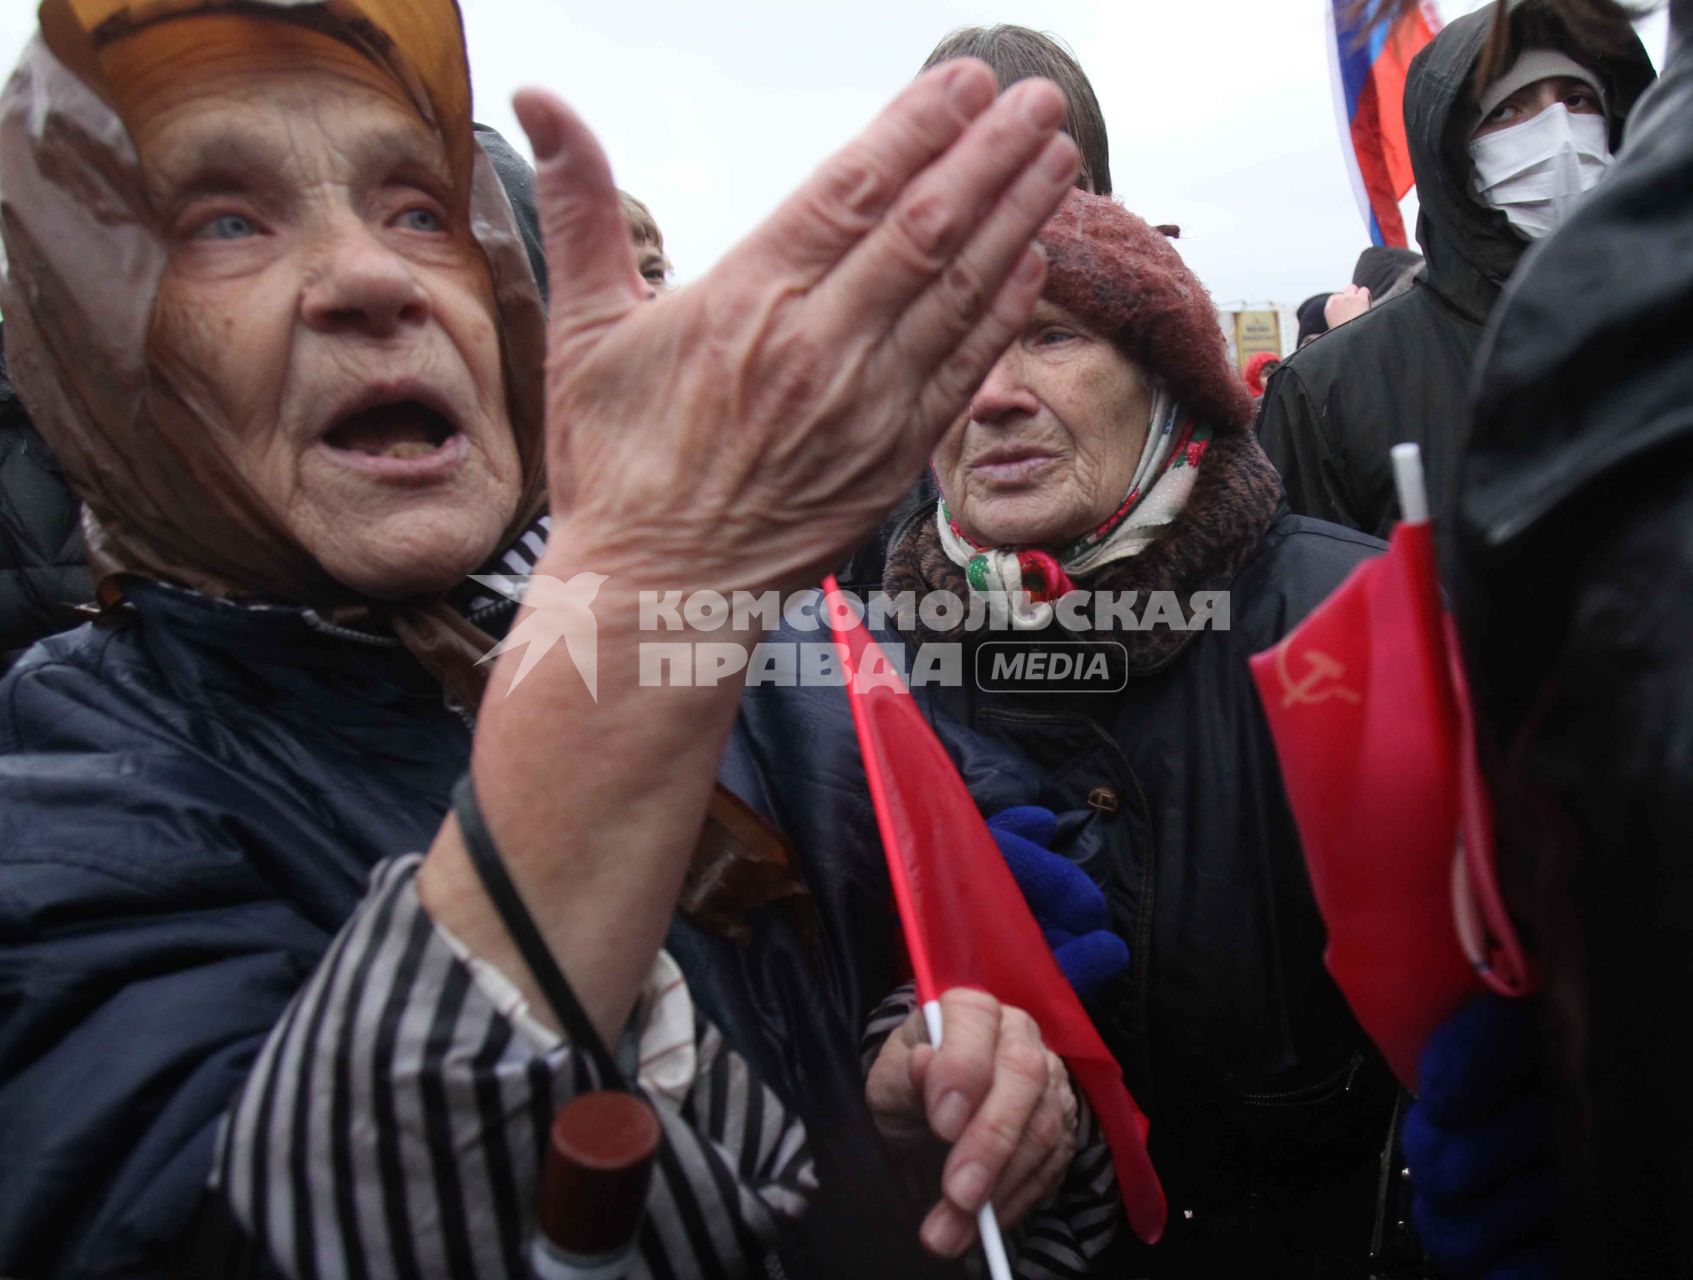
(402, 430)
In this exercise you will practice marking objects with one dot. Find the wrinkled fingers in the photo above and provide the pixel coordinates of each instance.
(984, 1152)
(922, 237)
(1040, 1160)
(848, 195)
(590, 262)
(962, 1072)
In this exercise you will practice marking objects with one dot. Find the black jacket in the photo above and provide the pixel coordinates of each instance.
(1401, 371)
(1269, 1109)
(1576, 550)
(43, 564)
(191, 802)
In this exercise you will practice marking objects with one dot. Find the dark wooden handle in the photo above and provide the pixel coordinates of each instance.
(598, 1167)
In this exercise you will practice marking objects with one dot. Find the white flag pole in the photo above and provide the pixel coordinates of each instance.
(1408, 479)
(993, 1244)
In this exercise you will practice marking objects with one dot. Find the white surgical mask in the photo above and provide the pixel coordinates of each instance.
(1536, 171)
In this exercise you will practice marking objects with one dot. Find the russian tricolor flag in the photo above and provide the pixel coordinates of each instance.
(1369, 66)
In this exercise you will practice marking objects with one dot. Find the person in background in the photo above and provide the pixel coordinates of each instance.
(1258, 368)
(1574, 572)
(1386, 272)
(43, 562)
(1346, 304)
(1313, 319)
(650, 258)
(1110, 451)
(1501, 152)
(1015, 53)
(1381, 273)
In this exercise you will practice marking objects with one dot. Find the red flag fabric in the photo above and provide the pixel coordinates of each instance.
(1366, 721)
(965, 920)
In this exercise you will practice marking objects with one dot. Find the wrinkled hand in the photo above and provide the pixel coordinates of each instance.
(1480, 1146)
(995, 1093)
(753, 427)
(1348, 304)
(1069, 907)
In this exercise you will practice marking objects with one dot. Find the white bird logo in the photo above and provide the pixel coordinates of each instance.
(556, 611)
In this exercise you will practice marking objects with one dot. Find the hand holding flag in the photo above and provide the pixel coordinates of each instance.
(966, 923)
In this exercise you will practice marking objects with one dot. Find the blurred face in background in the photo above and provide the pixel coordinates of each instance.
(653, 265)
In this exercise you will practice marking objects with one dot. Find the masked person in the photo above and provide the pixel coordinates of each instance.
(1543, 141)
(262, 1008)
(1574, 502)
(1495, 167)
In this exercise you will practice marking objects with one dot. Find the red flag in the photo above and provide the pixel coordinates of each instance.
(965, 920)
(1366, 702)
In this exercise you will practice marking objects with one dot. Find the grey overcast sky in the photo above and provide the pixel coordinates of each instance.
(1221, 112)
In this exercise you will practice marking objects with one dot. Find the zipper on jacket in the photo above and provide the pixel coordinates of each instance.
(323, 626)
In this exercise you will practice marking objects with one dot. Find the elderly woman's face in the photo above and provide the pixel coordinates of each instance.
(325, 306)
(1049, 444)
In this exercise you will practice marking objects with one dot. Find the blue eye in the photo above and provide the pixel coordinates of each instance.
(420, 220)
(228, 226)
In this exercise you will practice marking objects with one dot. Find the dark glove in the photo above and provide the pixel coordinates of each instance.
(1066, 903)
(1480, 1145)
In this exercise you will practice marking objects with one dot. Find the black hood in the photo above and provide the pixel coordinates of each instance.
(1471, 248)
(1569, 396)
(1380, 267)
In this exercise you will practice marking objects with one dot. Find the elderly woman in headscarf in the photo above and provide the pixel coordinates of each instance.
(267, 302)
(1103, 497)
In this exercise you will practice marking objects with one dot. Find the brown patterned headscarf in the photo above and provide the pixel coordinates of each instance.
(83, 259)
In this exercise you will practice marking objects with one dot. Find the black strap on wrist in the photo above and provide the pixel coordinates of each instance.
(485, 857)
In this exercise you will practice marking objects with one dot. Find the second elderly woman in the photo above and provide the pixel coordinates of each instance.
(1110, 451)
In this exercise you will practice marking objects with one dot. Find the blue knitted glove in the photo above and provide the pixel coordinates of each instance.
(1480, 1146)
(1066, 903)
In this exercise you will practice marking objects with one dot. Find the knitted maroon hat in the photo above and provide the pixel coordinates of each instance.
(1123, 279)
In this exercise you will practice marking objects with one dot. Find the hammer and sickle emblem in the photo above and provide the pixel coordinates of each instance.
(1320, 682)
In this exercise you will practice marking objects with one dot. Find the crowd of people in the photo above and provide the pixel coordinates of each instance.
(318, 901)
